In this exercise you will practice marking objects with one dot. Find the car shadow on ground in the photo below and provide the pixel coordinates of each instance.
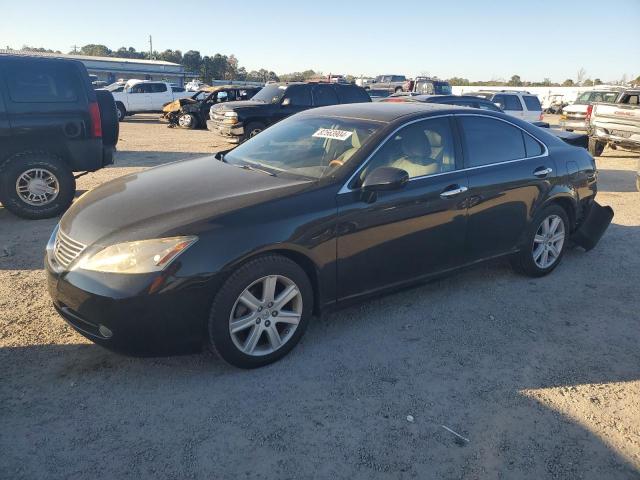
(465, 352)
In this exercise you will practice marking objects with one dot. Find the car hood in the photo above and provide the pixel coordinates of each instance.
(170, 200)
(238, 105)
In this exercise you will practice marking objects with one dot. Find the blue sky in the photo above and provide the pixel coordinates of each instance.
(470, 39)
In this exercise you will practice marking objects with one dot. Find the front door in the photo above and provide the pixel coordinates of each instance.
(509, 174)
(410, 232)
(296, 99)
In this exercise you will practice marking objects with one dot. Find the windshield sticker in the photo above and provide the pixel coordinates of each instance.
(341, 135)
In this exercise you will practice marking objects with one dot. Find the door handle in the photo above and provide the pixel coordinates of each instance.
(453, 190)
(542, 171)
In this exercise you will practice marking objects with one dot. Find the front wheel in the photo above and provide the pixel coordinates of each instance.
(253, 129)
(187, 120)
(122, 112)
(36, 185)
(261, 312)
(545, 242)
(595, 147)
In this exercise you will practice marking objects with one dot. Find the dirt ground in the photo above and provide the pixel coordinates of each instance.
(541, 377)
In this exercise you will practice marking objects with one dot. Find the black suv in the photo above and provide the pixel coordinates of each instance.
(238, 121)
(52, 123)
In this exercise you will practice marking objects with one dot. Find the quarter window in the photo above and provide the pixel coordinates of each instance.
(422, 148)
(158, 87)
(532, 103)
(490, 141)
(42, 83)
(532, 146)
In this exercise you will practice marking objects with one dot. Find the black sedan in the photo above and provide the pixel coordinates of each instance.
(339, 203)
(460, 100)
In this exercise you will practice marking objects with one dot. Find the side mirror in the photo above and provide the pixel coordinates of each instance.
(385, 178)
(286, 102)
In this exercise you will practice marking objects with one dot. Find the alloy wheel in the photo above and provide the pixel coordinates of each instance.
(265, 315)
(37, 187)
(185, 120)
(548, 241)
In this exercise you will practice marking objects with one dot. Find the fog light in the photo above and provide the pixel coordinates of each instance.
(104, 331)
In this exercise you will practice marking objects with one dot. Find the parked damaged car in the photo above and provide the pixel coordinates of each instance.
(193, 112)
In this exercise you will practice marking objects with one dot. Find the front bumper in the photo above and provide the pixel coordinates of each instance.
(146, 314)
(624, 139)
(232, 133)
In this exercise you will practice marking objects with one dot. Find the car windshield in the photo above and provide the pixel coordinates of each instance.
(583, 98)
(311, 147)
(270, 94)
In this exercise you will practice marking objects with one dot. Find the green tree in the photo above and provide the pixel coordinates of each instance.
(174, 56)
(192, 61)
(27, 48)
(587, 83)
(95, 50)
(597, 81)
(568, 83)
(515, 81)
(458, 81)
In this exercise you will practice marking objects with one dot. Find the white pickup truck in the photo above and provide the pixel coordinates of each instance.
(144, 96)
(615, 124)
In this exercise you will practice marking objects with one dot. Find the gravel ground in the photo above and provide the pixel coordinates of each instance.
(540, 376)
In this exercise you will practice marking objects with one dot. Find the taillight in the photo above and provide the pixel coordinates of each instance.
(96, 122)
(589, 110)
(541, 116)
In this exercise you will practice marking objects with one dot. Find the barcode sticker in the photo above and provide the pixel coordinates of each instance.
(341, 135)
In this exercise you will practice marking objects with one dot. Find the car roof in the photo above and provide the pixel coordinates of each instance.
(383, 112)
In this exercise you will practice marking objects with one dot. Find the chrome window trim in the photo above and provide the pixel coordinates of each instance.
(345, 188)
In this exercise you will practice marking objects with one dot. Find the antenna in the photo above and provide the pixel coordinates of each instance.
(150, 48)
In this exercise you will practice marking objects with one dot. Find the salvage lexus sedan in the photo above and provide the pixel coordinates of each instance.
(239, 250)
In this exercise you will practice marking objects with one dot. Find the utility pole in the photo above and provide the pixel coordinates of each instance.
(75, 48)
(150, 48)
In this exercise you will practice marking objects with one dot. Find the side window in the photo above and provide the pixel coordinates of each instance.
(177, 89)
(299, 95)
(532, 103)
(488, 141)
(609, 97)
(141, 88)
(46, 83)
(422, 148)
(352, 94)
(532, 146)
(498, 100)
(488, 106)
(512, 102)
(158, 87)
(324, 95)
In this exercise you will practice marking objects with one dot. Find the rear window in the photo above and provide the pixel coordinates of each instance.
(353, 94)
(43, 83)
(532, 102)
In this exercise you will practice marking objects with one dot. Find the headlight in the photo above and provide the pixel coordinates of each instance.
(230, 118)
(143, 256)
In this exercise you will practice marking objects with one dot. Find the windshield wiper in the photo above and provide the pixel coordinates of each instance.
(256, 169)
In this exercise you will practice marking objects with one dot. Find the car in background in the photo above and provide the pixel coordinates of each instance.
(615, 124)
(193, 112)
(574, 116)
(554, 103)
(392, 83)
(428, 86)
(239, 121)
(378, 94)
(329, 206)
(146, 96)
(52, 123)
(460, 100)
(519, 104)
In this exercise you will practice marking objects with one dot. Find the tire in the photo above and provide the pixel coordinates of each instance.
(252, 129)
(398, 89)
(595, 147)
(109, 118)
(30, 164)
(122, 112)
(188, 120)
(236, 348)
(526, 261)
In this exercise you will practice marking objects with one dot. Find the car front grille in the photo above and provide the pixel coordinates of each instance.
(66, 250)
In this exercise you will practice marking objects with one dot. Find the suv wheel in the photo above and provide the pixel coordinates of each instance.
(253, 129)
(187, 120)
(545, 244)
(595, 147)
(36, 185)
(122, 112)
(261, 312)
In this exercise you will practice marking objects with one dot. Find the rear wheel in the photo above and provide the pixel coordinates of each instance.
(595, 147)
(36, 185)
(545, 244)
(261, 312)
(187, 120)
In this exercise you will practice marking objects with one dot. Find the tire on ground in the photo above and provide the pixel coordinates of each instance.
(122, 112)
(523, 261)
(252, 129)
(595, 147)
(219, 337)
(108, 117)
(16, 165)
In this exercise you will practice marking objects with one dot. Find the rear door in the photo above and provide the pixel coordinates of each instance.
(138, 97)
(411, 232)
(513, 106)
(509, 175)
(4, 117)
(323, 95)
(533, 112)
(296, 99)
(160, 95)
